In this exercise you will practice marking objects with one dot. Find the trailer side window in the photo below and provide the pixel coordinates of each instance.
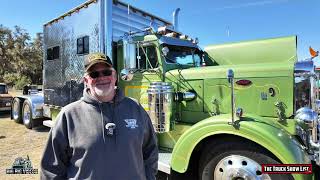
(49, 54)
(83, 45)
(53, 53)
(146, 58)
(56, 52)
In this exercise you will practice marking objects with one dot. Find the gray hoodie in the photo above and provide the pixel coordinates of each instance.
(80, 148)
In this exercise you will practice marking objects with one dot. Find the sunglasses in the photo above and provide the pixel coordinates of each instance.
(96, 74)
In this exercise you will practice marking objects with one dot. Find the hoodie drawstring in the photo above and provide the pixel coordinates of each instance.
(113, 119)
(102, 124)
(88, 98)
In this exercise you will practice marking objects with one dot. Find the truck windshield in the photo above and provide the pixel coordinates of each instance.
(182, 55)
(3, 89)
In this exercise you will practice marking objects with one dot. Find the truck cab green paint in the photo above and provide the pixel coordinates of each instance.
(262, 131)
(267, 64)
(264, 75)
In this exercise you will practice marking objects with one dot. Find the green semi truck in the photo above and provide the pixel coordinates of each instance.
(219, 113)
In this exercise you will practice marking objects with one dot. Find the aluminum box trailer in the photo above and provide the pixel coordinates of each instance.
(219, 113)
(94, 26)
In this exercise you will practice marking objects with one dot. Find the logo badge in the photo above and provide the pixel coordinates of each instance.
(264, 96)
(131, 123)
(22, 166)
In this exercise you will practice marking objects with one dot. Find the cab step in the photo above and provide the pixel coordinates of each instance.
(164, 162)
(48, 123)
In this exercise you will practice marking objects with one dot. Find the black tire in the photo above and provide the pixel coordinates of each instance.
(27, 115)
(16, 114)
(221, 155)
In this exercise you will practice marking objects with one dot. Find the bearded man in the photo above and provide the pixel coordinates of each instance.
(104, 135)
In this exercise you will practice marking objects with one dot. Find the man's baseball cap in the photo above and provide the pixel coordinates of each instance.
(95, 58)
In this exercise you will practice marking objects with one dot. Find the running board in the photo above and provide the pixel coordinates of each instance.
(164, 162)
(48, 123)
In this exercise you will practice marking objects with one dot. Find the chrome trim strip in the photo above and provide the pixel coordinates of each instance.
(102, 26)
(108, 31)
(68, 13)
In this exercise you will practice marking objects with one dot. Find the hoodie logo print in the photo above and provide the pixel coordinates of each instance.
(131, 123)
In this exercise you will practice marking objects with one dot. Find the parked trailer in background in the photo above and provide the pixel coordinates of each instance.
(5, 98)
(218, 113)
(27, 108)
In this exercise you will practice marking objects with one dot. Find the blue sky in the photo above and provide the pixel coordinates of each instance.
(212, 21)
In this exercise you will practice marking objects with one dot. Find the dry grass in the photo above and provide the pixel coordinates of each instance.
(18, 141)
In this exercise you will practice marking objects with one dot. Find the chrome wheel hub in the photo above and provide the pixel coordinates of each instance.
(26, 114)
(235, 167)
(15, 110)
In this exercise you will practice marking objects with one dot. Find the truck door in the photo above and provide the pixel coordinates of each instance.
(147, 70)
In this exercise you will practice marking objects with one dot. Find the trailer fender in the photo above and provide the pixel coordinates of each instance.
(36, 101)
(259, 130)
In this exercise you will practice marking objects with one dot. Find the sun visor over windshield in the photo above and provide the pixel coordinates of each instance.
(177, 42)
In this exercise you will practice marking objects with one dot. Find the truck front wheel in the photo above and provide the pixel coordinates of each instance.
(236, 159)
(27, 115)
(16, 110)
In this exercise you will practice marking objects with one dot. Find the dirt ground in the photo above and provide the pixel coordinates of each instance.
(18, 141)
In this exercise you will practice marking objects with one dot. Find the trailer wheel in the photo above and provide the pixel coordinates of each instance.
(16, 110)
(236, 159)
(27, 115)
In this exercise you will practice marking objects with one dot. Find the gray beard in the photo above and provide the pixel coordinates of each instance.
(103, 92)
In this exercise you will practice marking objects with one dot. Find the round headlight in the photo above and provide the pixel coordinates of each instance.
(307, 116)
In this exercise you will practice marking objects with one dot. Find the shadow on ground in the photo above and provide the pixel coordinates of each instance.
(38, 126)
(41, 128)
(4, 114)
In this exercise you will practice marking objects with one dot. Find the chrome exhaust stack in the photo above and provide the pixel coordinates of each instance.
(175, 19)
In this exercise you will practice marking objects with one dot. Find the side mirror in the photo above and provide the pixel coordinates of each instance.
(129, 53)
(165, 51)
(126, 75)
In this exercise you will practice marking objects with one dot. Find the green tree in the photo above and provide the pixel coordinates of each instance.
(37, 49)
(20, 57)
(6, 43)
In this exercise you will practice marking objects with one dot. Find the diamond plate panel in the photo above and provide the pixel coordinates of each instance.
(63, 82)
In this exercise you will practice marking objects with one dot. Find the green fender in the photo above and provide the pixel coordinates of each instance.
(261, 130)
